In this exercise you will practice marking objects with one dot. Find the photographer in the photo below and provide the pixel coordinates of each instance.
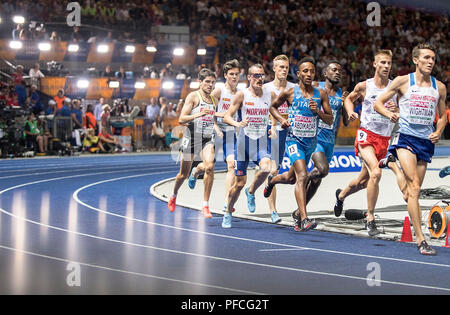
(31, 134)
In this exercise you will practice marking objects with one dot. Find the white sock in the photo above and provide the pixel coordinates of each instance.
(205, 203)
(174, 195)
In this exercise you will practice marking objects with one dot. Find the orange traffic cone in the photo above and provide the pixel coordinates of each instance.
(406, 233)
(446, 239)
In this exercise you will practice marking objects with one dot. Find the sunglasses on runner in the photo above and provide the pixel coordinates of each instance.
(258, 76)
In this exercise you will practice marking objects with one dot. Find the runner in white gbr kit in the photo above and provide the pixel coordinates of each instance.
(420, 94)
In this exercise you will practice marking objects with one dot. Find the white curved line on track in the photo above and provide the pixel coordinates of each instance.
(206, 256)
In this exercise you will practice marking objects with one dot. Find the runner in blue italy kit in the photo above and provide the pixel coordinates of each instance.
(305, 110)
(326, 134)
(420, 95)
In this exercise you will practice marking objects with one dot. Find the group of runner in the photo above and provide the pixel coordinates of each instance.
(266, 120)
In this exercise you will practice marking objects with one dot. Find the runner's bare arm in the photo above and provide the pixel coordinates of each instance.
(391, 90)
(345, 119)
(327, 114)
(236, 103)
(358, 91)
(191, 101)
(442, 121)
(284, 96)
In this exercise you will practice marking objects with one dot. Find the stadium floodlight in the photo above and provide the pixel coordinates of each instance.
(151, 49)
(102, 48)
(178, 51)
(15, 44)
(139, 85)
(194, 85)
(201, 51)
(18, 19)
(44, 46)
(82, 84)
(73, 48)
(241, 85)
(168, 85)
(130, 49)
(114, 84)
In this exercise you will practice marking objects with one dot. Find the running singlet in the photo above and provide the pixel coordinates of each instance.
(256, 109)
(370, 119)
(418, 109)
(203, 125)
(303, 121)
(224, 103)
(326, 133)
(283, 109)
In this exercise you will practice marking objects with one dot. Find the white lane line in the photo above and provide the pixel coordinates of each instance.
(76, 198)
(130, 272)
(80, 170)
(207, 256)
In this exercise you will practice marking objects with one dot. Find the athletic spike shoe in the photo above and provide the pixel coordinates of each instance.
(385, 162)
(172, 203)
(206, 213)
(192, 180)
(226, 221)
(306, 225)
(275, 217)
(268, 189)
(250, 201)
(444, 172)
(426, 249)
(339, 204)
(371, 228)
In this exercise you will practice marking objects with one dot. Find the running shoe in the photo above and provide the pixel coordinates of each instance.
(426, 249)
(226, 222)
(371, 228)
(269, 187)
(444, 172)
(172, 203)
(206, 213)
(250, 201)
(275, 217)
(192, 180)
(306, 225)
(339, 204)
(384, 162)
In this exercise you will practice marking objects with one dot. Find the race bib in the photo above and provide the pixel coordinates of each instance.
(256, 127)
(205, 124)
(304, 126)
(362, 136)
(292, 149)
(421, 109)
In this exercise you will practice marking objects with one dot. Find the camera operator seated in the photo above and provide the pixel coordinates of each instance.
(109, 143)
(91, 142)
(32, 134)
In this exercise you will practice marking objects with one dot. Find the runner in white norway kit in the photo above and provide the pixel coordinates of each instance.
(372, 139)
(225, 134)
(252, 105)
(277, 133)
(420, 95)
